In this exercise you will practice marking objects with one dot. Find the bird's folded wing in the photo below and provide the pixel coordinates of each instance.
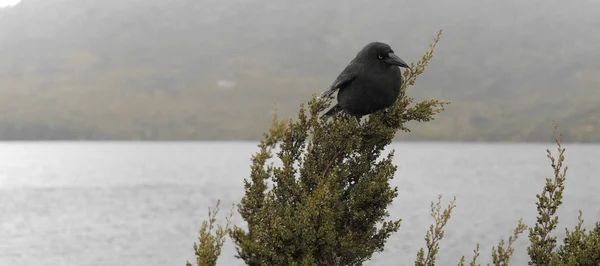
(349, 74)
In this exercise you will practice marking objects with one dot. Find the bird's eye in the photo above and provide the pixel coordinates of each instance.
(380, 57)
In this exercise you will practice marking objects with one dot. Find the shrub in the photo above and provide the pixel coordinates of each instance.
(579, 247)
(326, 202)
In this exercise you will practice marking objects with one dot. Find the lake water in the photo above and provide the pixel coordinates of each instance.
(137, 203)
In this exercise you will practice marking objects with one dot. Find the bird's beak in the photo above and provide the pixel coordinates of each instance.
(395, 60)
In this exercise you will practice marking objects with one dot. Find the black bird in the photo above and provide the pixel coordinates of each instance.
(371, 82)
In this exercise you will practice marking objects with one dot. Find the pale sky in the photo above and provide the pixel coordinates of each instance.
(4, 3)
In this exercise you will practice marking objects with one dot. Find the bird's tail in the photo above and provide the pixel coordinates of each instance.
(327, 93)
(335, 109)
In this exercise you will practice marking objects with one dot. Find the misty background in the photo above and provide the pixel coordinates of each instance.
(212, 69)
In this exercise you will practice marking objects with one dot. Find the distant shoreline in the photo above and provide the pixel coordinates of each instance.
(252, 141)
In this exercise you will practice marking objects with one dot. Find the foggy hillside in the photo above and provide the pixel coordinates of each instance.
(211, 69)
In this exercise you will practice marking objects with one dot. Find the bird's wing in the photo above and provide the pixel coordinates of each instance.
(349, 74)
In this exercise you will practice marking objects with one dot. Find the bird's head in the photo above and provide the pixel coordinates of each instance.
(382, 53)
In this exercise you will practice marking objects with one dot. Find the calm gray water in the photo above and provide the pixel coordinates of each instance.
(143, 203)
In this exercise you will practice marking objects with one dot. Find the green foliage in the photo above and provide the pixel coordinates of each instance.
(579, 247)
(209, 249)
(435, 233)
(326, 204)
(542, 244)
(500, 255)
(326, 201)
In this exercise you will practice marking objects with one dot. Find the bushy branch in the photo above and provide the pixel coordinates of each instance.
(209, 248)
(542, 243)
(473, 261)
(435, 233)
(581, 247)
(500, 255)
